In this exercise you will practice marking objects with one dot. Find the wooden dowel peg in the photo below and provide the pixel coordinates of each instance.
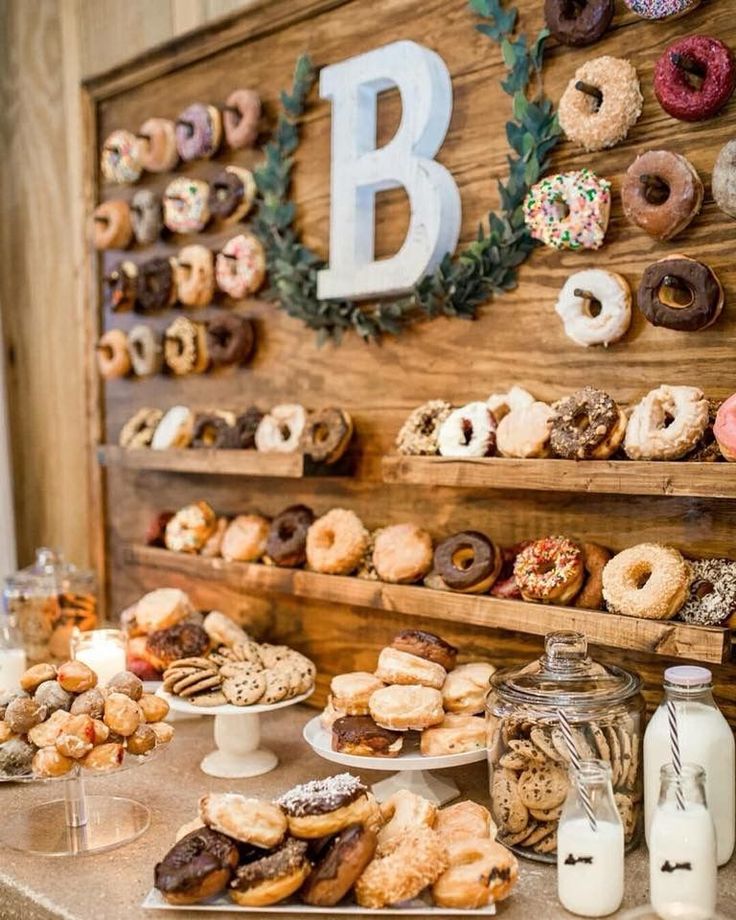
(189, 125)
(233, 110)
(582, 87)
(688, 64)
(101, 219)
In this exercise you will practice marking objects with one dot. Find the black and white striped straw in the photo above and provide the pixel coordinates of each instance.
(576, 762)
(675, 751)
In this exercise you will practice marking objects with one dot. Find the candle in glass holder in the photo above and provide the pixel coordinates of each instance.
(103, 650)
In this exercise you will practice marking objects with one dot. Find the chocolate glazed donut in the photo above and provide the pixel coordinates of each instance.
(243, 435)
(680, 293)
(287, 538)
(467, 561)
(197, 867)
(345, 858)
(230, 339)
(578, 22)
(155, 285)
(211, 430)
(226, 194)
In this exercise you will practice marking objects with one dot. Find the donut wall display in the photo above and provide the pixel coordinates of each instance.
(624, 308)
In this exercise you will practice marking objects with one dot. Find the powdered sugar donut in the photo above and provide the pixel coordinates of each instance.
(241, 114)
(241, 266)
(569, 210)
(575, 307)
(120, 162)
(157, 145)
(186, 205)
(666, 424)
(198, 131)
(525, 432)
(281, 429)
(469, 431)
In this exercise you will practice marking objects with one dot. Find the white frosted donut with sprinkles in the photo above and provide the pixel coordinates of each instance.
(569, 210)
(186, 205)
(595, 307)
(241, 266)
(661, 9)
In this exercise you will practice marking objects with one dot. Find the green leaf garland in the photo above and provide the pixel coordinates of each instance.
(461, 283)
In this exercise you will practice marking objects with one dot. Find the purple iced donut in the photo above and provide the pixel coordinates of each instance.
(695, 78)
(661, 9)
(198, 131)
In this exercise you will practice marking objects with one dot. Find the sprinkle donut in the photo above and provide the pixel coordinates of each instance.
(112, 227)
(195, 276)
(667, 424)
(145, 212)
(587, 425)
(577, 24)
(336, 543)
(157, 145)
(648, 580)
(280, 430)
(601, 103)
(185, 347)
(145, 346)
(680, 293)
(122, 286)
(592, 290)
(241, 114)
(417, 437)
(113, 359)
(550, 570)
(695, 78)
(661, 193)
(724, 428)
(468, 432)
(587, 200)
(241, 266)
(232, 194)
(186, 205)
(661, 9)
(198, 132)
(120, 162)
(711, 599)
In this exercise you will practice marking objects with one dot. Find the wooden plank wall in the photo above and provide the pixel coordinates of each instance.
(517, 340)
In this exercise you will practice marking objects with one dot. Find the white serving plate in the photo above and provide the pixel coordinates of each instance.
(178, 704)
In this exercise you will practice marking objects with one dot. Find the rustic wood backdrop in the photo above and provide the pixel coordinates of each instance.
(517, 339)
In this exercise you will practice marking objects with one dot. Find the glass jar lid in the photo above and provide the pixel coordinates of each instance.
(566, 675)
(50, 574)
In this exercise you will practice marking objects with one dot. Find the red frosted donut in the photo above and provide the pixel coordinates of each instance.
(240, 117)
(695, 78)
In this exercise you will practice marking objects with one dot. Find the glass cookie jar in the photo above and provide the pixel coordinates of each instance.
(46, 601)
(528, 758)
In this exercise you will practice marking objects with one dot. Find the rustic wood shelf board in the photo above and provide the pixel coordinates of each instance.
(209, 462)
(623, 477)
(660, 637)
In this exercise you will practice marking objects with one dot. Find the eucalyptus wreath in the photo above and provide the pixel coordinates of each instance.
(461, 283)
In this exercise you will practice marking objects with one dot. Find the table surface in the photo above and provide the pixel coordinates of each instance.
(112, 885)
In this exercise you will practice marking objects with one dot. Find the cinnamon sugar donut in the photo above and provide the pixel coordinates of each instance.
(648, 580)
(550, 570)
(113, 359)
(402, 554)
(667, 424)
(336, 542)
(245, 538)
(112, 227)
(595, 558)
(417, 861)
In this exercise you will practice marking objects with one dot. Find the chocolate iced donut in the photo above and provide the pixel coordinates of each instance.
(122, 286)
(230, 339)
(578, 22)
(156, 288)
(426, 645)
(587, 425)
(326, 435)
(212, 429)
(244, 430)
(680, 293)
(340, 864)
(695, 78)
(232, 193)
(147, 216)
(197, 867)
(467, 561)
(661, 193)
(287, 539)
(360, 735)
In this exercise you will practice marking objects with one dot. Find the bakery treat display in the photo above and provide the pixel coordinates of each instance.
(569, 210)
(695, 77)
(578, 24)
(606, 293)
(662, 193)
(680, 293)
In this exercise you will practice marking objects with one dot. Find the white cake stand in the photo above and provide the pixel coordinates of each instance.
(237, 753)
(411, 769)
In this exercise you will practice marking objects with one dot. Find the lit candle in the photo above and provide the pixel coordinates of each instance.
(103, 650)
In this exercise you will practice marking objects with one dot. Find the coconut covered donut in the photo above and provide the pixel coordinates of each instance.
(711, 599)
(569, 210)
(198, 131)
(417, 860)
(550, 570)
(195, 276)
(157, 145)
(595, 307)
(147, 217)
(241, 114)
(418, 435)
(661, 193)
(186, 205)
(587, 425)
(468, 432)
(336, 542)
(120, 161)
(241, 266)
(112, 227)
(601, 103)
(667, 423)
(680, 293)
(695, 78)
(281, 429)
(648, 580)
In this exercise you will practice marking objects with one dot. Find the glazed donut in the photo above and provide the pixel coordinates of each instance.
(122, 286)
(402, 554)
(175, 429)
(468, 432)
(326, 435)
(146, 215)
(417, 861)
(232, 194)
(724, 428)
(157, 145)
(248, 820)
(273, 877)
(695, 78)
(230, 339)
(426, 645)
(606, 293)
(666, 424)
(327, 806)
(183, 640)
(661, 9)
(550, 570)
(336, 542)
(340, 865)
(569, 210)
(138, 430)
(186, 205)
(194, 270)
(578, 23)
(526, 432)
(680, 293)
(246, 425)
(190, 527)
(402, 812)
(197, 867)
(418, 435)
(241, 114)
(501, 404)
(198, 132)
(120, 160)
(457, 733)
(156, 286)
(280, 430)
(241, 266)
(397, 667)
(466, 687)
(587, 425)
(661, 193)
(602, 102)
(648, 580)
(464, 820)
(113, 359)
(468, 562)
(406, 707)
(481, 872)
(112, 227)
(595, 558)
(245, 538)
(212, 430)
(723, 182)
(286, 544)
(711, 599)
(185, 347)
(146, 351)
(351, 693)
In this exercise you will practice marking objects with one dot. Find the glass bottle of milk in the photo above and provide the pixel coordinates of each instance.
(12, 654)
(705, 739)
(590, 855)
(682, 848)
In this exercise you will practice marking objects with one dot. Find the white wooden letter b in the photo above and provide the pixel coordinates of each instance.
(359, 170)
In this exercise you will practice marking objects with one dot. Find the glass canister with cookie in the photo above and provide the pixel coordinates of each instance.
(528, 756)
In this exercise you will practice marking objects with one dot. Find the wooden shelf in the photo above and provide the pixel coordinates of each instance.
(625, 477)
(660, 637)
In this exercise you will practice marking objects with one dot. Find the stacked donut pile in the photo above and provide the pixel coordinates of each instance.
(322, 435)
(327, 840)
(669, 423)
(60, 719)
(416, 687)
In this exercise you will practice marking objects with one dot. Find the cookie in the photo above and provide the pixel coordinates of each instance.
(543, 787)
(634, 766)
(546, 814)
(213, 698)
(540, 832)
(196, 684)
(204, 664)
(245, 687)
(244, 651)
(628, 811)
(601, 742)
(626, 755)
(277, 687)
(527, 751)
(543, 740)
(272, 654)
(547, 845)
(513, 761)
(615, 748)
(509, 812)
(513, 840)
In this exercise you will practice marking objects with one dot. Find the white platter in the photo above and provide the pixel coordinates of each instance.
(178, 704)
(154, 900)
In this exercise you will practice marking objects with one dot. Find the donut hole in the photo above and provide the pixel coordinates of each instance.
(572, 9)
(703, 588)
(560, 209)
(642, 578)
(466, 432)
(320, 433)
(463, 558)
(581, 421)
(284, 431)
(675, 293)
(656, 190)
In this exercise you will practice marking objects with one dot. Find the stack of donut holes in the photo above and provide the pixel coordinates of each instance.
(328, 840)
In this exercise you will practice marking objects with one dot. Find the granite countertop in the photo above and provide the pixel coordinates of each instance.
(112, 885)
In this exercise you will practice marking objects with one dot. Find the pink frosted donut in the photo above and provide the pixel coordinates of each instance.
(241, 266)
(198, 131)
(725, 428)
(241, 115)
